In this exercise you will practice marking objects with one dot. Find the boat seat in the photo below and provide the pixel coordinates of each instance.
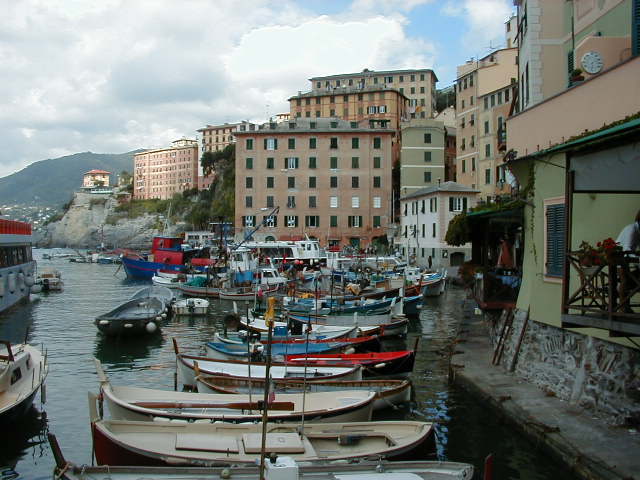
(275, 443)
(206, 443)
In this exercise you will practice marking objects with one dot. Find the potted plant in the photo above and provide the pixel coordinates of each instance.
(576, 75)
(611, 250)
(589, 257)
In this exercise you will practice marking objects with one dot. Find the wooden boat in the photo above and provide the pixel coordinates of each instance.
(281, 467)
(433, 284)
(123, 442)
(187, 365)
(134, 317)
(388, 392)
(246, 293)
(50, 280)
(233, 350)
(23, 369)
(369, 343)
(382, 325)
(191, 306)
(195, 291)
(412, 305)
(374, 364)
(257, 325)
(133, 403)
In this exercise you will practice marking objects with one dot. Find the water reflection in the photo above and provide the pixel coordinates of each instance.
(27, 441)
(123, 352)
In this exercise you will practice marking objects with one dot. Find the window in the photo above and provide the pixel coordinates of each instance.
(355, 162)
(332, 113)
(312, 162)
(486, 126)
(422, 207)
(487, 150)
(334, 124)
(427, 138)
(291, 201)
(248, 182)
(473, 165)
(372, 110)
(401, 78)
(248, 220)
(270, 221)
(376, 221)
(355, 142)
(554, 238)
(377, 142)
(421, 89)
(270, 201)
(427, 177)
(493, 100)
(333, 202)
(377, 162)
(464, 166)
(312, 201)
(333, 142)
(354, 124)
(270, 182)
(355, 182)
(270, 143)
(313, 142)
(333, 163)
(333, 182)
(499, 98)
(433, 230)
(249, 143)
(355, 221)
(248, 201)
(291, 163)
(382, 109)
(487, 176)
(312, 182)
(270, 163)
(457, 204)
(291, 182)
(333, 221)
(312, 125)
(506, 95)
(332, 99)
(486, 103)
(248, 163)
(292, 221)
(427, 157)
(377, 202)
(312, 221)
(317, 115)
(355, 202)
(377, 182)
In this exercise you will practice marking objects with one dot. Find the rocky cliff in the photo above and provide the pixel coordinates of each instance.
(87, 224)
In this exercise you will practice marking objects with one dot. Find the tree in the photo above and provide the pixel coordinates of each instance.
(207, 162)
(125, 178)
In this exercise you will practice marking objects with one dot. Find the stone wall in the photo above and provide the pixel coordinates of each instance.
(598, 376)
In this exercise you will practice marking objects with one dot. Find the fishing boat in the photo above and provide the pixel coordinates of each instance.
(281, 331)
(433, 284)
(191, 306)
(374, 364)
(23, 369)
(373, 323)
(139, 316)
(411, 306)
(50, 280)
(124, 442)
(368, 343)
(140, 404)
(388, 392)
(246, 293)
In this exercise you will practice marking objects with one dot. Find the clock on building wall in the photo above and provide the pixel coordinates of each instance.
(592, 62)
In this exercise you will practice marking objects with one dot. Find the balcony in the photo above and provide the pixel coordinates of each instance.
(604, 296)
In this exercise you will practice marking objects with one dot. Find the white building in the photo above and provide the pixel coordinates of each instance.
(425, 216)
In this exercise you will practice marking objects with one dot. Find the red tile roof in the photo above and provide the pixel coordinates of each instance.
(98, 171)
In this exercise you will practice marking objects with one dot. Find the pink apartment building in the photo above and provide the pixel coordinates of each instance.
(331, 178)
(162, 173)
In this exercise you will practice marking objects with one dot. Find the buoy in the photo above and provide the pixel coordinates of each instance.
(28, 280)
(350, 350)
(128, 325)
(103, 322)
(34, 289)
(164, 315)
(11, 282)
(21, 283)
(158, 318)
(151, 327)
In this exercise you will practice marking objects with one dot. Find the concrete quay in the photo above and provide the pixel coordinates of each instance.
(588, 446)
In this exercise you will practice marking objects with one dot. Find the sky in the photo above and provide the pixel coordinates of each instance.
(111, 76)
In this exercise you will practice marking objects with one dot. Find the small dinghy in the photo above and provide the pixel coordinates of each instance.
(123, 442)
(187, 365)
(23, 369)
(388, 392)
(133, 403)
(163, 294)
(191, 306)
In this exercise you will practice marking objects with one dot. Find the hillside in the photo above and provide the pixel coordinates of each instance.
(52, 182)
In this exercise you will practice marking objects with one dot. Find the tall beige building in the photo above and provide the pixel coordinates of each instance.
(331, 179)
(418, 85)
(163, 172)
(214, 138)
(484, 89)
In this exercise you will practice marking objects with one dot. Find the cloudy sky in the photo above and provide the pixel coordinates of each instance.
(110, 76)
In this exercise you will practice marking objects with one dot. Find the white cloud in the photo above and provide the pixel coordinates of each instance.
(485, 19)
(117, 75)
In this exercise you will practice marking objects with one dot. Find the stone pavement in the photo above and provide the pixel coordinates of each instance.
(588, 446)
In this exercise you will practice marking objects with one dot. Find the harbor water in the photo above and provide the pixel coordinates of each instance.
(62, 324)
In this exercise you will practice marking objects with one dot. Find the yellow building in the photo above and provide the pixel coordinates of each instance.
(95, 178)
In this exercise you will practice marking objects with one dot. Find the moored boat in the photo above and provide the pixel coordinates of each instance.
(23, 369)
(191, 306)
(141, 315)
(433, 284)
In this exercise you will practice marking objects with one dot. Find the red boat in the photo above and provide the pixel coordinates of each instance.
(374, 364)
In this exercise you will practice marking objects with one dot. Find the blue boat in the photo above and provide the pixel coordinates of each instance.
(144, 269)
(239, 351)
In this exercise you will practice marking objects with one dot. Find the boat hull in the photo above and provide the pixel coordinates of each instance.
(16, 290)
(143, 269)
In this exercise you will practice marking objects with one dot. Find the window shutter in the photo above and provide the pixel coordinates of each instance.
(349, 222)
(464, 204)
(265, 143)
(296, 220)
(359, 220)
(451, 204)
(275, 143)
(555, 240)
(570, 63)
(297, 162)
(635, 27)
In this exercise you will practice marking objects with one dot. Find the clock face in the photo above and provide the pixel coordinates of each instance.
(592, 62)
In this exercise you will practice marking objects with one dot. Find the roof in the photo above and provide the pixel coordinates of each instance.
(97, 172)
(346, 90)
(322, 124)
(443, 187)
(367, 72)
(224, 125)
(616, 130)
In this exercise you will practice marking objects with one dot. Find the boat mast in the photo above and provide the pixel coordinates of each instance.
(269, 318)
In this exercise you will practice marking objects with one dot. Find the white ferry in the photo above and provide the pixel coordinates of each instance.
(16, 263)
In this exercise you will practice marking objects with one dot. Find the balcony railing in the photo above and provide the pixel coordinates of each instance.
(497, 288)
(604, 296)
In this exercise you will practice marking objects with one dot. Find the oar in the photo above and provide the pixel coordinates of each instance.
(231, 405)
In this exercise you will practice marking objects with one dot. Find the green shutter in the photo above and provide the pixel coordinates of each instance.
(275, 143)
(570, 63)
(635, 27)
(464, 204)
(265, 143)
(555, 240)
(451, 204)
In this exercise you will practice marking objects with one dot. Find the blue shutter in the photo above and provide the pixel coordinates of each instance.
(635, 27)
(555, 240)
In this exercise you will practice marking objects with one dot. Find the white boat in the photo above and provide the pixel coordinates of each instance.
(300, 252)
(140, 404)
(325, 332)
(23, 369)
(50, 280)
(191, 306)
(434, 284)
(123, 442)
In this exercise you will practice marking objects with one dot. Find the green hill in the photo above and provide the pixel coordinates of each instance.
(51, 182)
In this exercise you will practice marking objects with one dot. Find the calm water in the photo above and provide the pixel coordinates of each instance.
(63, 323)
